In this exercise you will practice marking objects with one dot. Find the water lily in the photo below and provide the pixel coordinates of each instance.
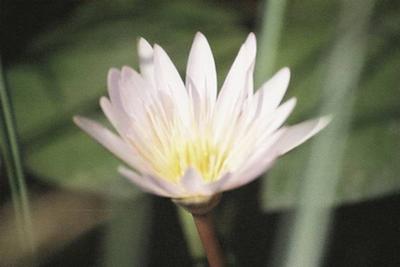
(185, 141)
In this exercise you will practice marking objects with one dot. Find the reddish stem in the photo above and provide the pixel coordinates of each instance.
(205, 227)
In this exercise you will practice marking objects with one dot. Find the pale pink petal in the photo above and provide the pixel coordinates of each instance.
(251, 173)
(193, 183)
(235, 83)
(169, 82)
(263, 127)
(175, 190)
(166, 70)
(109, 140)
(287, 139)
(118, 120)
(271, 92)
(146, 64)
(230, 124)
(237, 86)
(299, 133)
(147, 185)
(217, 186)
(201, 75)
(278, 117)
(198, 105)
(113, 80)
(259, 161)
(135, 93)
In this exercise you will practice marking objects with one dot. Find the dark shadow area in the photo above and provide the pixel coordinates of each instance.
(168, 246)
(362, 235)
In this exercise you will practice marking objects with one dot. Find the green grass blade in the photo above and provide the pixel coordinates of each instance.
(12, 161)
(270, 33)
(344, 65)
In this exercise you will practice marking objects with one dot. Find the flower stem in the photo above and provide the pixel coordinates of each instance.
(205, 227)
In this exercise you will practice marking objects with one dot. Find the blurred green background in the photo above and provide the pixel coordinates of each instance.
(56, 55)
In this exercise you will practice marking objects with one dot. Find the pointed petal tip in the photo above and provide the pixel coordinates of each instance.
(128, 72)
(281, 77)
(199, 35)
(251, 39)
(323, 122)
(157, 47)
(104, 101)
(200, 40)
(111, 72)
(250, 47)
(125, 68)
(285, 110)
(291, 102)
(144, 47)
(83, 123)
(251, 43)
(297, 134)
(251, 36)
(285, 71)
(77, 119)
(122, 169)
(142, 41)
(159, 52)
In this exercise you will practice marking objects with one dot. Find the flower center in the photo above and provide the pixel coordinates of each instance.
(207, 158)
(170, 159)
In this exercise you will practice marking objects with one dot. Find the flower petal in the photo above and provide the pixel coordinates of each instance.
(146, 64)
(237, 86)
(113, 79)
(117, 119)
(147, 185)
(168, 80)
(280, 115)
(110, 141)
(271, 92)
(258, 162)
(299, 133)
(235, 80)
(193, 183)
(251, 173)
(217, 186)
(135, 93)
(201, 75)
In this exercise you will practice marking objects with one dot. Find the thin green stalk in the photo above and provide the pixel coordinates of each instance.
(192, 237)
(12, 161)
(313, 216)
(270, 34)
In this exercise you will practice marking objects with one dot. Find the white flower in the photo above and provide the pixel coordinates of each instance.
(182, 139)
